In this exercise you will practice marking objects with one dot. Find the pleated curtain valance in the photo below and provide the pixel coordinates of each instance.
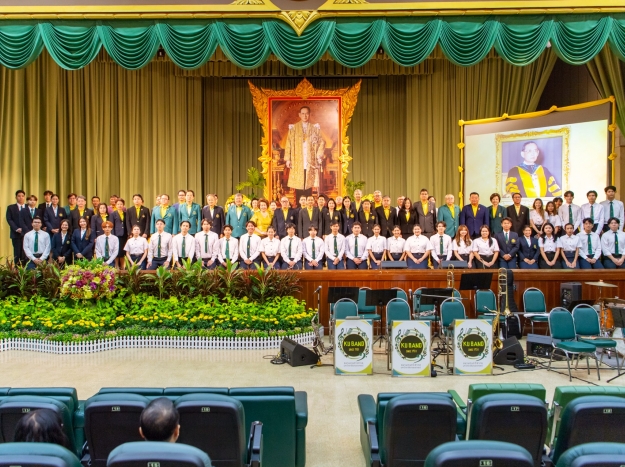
(465, 40)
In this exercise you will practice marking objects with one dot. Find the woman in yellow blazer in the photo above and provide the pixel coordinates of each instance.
(262, 218)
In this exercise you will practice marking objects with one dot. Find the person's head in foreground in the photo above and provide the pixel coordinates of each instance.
(160, 421)
(41, 426)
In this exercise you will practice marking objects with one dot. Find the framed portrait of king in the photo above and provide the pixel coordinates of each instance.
(304, 146)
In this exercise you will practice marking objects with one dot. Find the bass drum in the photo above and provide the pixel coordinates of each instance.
(620, 344)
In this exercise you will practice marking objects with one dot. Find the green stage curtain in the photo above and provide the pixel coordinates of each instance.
(106, 130)
(608, 73)
(248, 43)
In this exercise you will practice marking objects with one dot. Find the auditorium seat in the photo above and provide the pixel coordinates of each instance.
(512, 418)
(155, 453)
(566, 394)
(36, 455)
(479, 453)
(594, 455)
(216, 424)
(398, 426)
(105, 411)
(284, 415)
(12, 408)
(147, 392)
(590, 419)
(177, 392)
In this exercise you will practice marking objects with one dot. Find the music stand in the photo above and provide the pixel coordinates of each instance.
(476, 281)
(379, 297)
(336, 293)
(618, 314)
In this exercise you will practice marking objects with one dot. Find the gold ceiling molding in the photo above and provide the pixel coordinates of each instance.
(299, 19)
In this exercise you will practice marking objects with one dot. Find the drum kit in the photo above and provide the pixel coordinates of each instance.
(606, 316)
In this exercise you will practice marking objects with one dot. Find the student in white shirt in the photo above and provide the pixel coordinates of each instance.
(549, 251)
(36, 244)
(107, 245)
(249, 244)
(441, 245)
(570, 213)
(593, 210)
(356, 248)
(228, 248)
(313, 250)
(207, 245)
(590, 247)
(183, 244)
(291, 249)
(569, 248)
(270, 249)
(551, 215)
(612, 207)
(159, 249)
(461, 246)
(612, 244)
(417, 249)
(376, 246)
(538, 216)
(485, 249)
(335, 248)
(136, 248)
(395, 246)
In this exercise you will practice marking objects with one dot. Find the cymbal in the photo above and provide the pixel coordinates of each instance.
(600, 284)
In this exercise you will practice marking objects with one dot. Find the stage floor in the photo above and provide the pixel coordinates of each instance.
(333, 410)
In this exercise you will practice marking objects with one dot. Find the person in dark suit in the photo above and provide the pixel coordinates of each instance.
(348, 216)
(13, 219)
(330, 215)
(83, 240)
(407, 219)
(496, 213)
(426, 214)
(81, 212)
(62, 244)
(529, 252)
(27, 215)
(282, 217)
(387, 217)
(367, 218)
(138, 215)
(309, 216)
(47, 196)
(118, 218)
(98, 219)
(214, 214)
(474, 216)
(520, 215)
(53, 216)
(508, 245)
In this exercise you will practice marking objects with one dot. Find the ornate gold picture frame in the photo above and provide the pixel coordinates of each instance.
(561, 137)
(304, 148)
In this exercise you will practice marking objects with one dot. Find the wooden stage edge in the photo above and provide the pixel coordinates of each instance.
(546, 280)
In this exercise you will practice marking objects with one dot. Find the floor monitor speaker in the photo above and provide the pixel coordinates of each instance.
(296, 354)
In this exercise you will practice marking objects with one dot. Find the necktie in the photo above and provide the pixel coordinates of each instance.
(570, 214)
(184, 243)
(249, 244)
(158, 248)
(290, 242)
(589, 246)
(106, 247)
(336, 247)
(32, 213)
(356, 246)
(36, 241)
(611, 209)
(227, 249)
(441, 244)
(616, 252)
(592, 213)
(313, 249)
(506, 234)
(205, 243)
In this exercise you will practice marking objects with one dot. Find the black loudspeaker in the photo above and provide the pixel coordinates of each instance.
(511, 353)
(295, 354)
(570, 292)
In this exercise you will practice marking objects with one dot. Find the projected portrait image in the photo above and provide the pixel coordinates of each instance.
(533, 163)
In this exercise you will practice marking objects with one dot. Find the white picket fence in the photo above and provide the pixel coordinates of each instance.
(152, 342)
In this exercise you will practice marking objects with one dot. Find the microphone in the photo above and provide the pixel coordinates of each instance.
(318, 289)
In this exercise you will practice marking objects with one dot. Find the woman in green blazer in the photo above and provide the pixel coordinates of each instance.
(496, 213)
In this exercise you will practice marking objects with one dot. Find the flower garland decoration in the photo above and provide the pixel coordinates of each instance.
(94, 281)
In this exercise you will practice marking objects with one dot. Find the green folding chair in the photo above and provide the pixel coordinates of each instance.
(587, 325)
(396, 310)
(451, 310)
(535, 306)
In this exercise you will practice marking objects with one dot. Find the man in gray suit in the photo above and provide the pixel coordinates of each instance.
(426, 214)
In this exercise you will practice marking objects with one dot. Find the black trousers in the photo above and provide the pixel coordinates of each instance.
(18, 250)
